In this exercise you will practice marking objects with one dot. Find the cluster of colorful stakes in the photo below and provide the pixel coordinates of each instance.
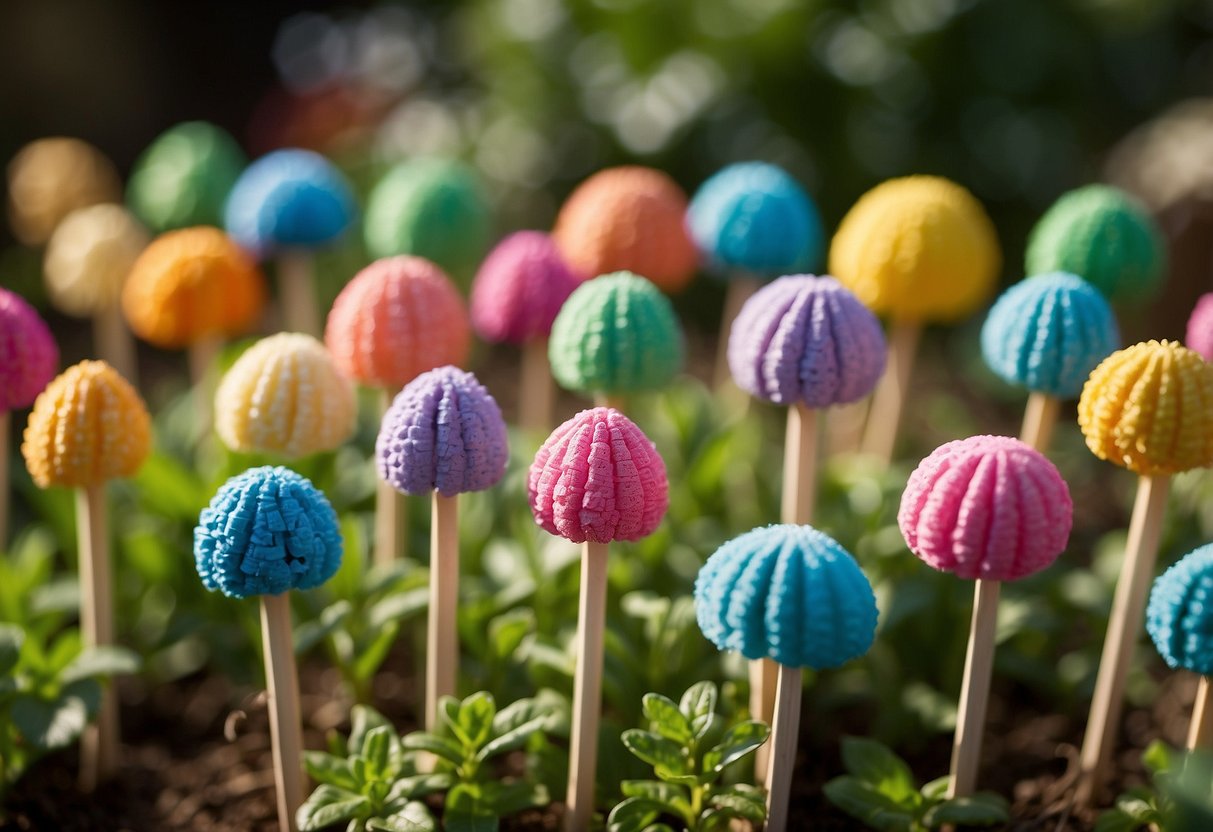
(913, 250)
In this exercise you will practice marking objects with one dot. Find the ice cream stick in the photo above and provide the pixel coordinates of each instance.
(297, 290)
(99, 745)
(442, 640)
(785, 732)
(615, 401)
(1200, 730)
(741, 287)
(535, 391)
(201, 356)
(391, 512)
(974, 690)
(114, 343)
(587, 688)
(880, 434)
(5, 439)
(1128, 606)
(1039, 419)
(282, 684)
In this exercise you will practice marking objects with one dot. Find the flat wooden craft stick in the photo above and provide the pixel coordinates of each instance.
(286, 728)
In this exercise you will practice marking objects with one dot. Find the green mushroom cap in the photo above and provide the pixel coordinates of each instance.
(431, 208)
(1103, 235)
(184, 176)
(616, 334)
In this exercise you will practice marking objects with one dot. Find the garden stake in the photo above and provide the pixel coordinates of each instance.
(282, 685)
(99, 743)
(442, 641)
(884, 416)
(741, 287)
(536, 390)
(114, 342)
(785, 728)
(391, 510)
(1200, 730)
(587, 687)
(297, 288)
(201, 356)
(1039, 419)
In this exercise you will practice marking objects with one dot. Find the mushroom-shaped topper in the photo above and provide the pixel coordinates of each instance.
(28, 353)
(1047, 333)
(1104, 236)
(397, 318)
(284, 395)
(192, 284)
(443, 433)
(1179, 617)
(787, 593)
(1149, 408)
(1199, 335)
(753, 217)
(598, 478)
(986, 507)
(265, 532)
(89, 257)
(183, 178)
(289, 199)
(806, 339)
(919, 248)
(520, 288)
(616, 334)
(50, 178)
(431, 208)
(88, 426)
(629, 218)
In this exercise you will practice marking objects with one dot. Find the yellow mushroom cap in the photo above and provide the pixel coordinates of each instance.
(284, 396)
(50, 178)
(88, 426)
(1149, 408)
(89, 257)
(192, 284)
(919, 248)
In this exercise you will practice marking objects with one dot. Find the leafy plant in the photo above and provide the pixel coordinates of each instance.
(881, 792)
(1178, 801)
(689, 749)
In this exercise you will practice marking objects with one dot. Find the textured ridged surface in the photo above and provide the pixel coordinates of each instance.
(754, 217)
(443, 432)
(1180, 616)
(1047, 333)
(50, 178)
(598, 478)
(397, 318)
(88, 426)
(806, 339)
(1199, 335)
(284, 396)
(289, 199)
(987, 507)
(786, 593)
(919, 248)
(184, 176)
(1104, 236)
(89, 257)
(265, 532)
(616, 334)
(519, 289)
(29, 355)
(431, 208)
(629, 218)
(1149, 408)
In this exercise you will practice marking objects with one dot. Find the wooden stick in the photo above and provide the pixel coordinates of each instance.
(785, 732)
(286, 728)
(535, 390)
(1200, 730)
(114, 343)
(5, 477)
(442, 641)
(880, 434)
(391, 512)
(1124, 624)
(615, 401)
(99, 745)
(974, 690)
(201, 356)
(297, 292)
(844, 427)
(587, 688)
(764, 679)
(1039, 419)
(741, 288)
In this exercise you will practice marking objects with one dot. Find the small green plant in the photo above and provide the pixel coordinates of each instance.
(1178, 801)
(880, 791)
(689, 748)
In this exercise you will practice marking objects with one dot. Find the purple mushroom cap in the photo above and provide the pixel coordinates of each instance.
(443, 432)
(807, 339)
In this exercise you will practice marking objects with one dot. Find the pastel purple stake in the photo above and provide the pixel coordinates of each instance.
(443, 435)
(808, 343)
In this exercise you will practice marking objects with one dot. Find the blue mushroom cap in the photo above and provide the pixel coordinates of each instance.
(787, 593)
(754, 217)
(266, 531)
(1047, 333)
(289, 198)
(1179, 617)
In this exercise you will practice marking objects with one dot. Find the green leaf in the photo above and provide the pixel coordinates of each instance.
(468, 810)
(376, 749)
(861, 801)
(983, 809)
(419, 785)
(474, 721)
(873, 763)
(439, 746)
(666, 719)
(414, 817)
(462, 822)
(654, 790)
(937, 789)
(507, 631)
(634, 814)
(1117, 820)
(504, 799)
(655, 750)
(518, 713)
(104, 661)
(363, 719)
(398, 606)
(49, 725)
(371, 656)
(328, 805)
(737, 742)
(698, 704)
(514, 738)
(11, 639)
(1158, 757)
(1138, 808)
(742, 807)
(331, 618)
(330, 769)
